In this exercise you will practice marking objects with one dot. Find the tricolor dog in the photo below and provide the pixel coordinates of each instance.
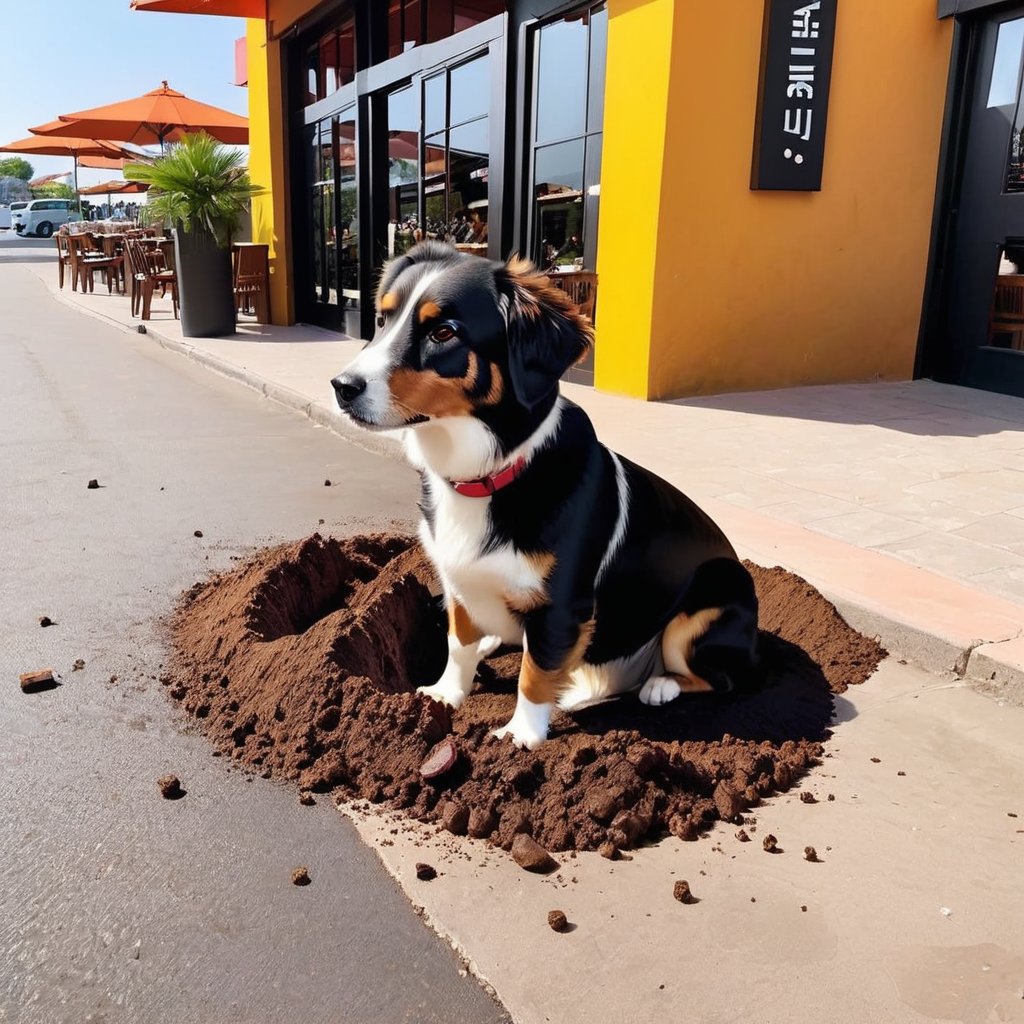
(607, 576)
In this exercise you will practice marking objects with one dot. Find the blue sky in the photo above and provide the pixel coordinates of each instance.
(57, 56)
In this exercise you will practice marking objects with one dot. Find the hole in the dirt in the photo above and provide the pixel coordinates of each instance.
(300, 592)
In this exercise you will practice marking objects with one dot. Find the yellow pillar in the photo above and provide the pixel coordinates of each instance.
(635, 112)
(268, 166)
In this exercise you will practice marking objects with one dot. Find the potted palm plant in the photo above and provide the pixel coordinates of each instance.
(201, 188)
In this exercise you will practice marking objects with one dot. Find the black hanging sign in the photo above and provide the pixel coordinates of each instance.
(792, 96)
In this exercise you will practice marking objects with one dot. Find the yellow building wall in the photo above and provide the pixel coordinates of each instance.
(764, 289)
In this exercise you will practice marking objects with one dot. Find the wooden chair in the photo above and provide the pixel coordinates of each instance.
(63, 255)
(252, 280)
(581, 287)
(84, 263)
(1008, 310)
(146, 278)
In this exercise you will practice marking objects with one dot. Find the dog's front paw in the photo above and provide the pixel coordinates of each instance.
(528, 727)
(445, 693)
(659, 690)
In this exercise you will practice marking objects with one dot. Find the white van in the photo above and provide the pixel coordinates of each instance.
(43, 216)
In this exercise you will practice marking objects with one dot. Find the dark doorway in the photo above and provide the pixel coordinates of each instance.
(983, 342)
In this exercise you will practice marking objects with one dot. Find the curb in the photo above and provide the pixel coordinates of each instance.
(993, 666)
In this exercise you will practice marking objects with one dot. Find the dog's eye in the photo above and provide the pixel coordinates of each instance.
(380, 319)
(442, 333)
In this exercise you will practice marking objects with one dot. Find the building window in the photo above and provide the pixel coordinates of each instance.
(331, 61)
(414, 22)
(569, 63)
(451, 184)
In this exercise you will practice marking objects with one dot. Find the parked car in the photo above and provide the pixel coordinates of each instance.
(5, 217)
(11, 211)
(43, 216)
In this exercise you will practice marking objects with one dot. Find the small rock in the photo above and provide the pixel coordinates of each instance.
(300, 876)
(945, 912)
(803, 908)
(197, 533)
(455, 818)
(807, 797)
(601, 805)
(78, 665)
(530, 855)
(608, 850)
(170, 787)
(306, 798)
(327, 483)
(876, 760)
(426, 872)
(811, 854)
(901, 773)
(441, 759)
(727, 801)
(482, 822)
(557, 921)
(742, 836)
(45, 621)
(31, 682)
(831, 797)
(92, 485)
(681, 892)
(770, 844)
(136, 949)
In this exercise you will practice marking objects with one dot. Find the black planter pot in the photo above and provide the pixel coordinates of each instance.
(205, 289)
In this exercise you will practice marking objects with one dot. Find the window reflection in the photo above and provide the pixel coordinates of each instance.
(1006, 323)
(558, 185)
(561, 80)
(414, 22)
(403, 170)
(331, 61)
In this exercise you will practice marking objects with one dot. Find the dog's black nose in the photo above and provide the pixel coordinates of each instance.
(348, 388)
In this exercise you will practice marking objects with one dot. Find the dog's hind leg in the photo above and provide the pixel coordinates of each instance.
(467, 647)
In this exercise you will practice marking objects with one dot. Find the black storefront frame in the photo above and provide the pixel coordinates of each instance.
(936, 353)
(368, 94)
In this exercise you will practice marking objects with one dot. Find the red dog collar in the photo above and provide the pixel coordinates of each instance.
(485, 486)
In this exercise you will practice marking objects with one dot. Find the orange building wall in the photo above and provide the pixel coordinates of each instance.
(761, 289)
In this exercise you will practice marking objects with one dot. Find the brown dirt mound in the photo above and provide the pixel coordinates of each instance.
(302, 662)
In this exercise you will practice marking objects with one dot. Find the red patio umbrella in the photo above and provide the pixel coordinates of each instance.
(227, 8)
(153, 118)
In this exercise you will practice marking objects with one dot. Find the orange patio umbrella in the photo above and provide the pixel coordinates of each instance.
(153, 118)
(76, 147)
(227, 8)
(116, 188)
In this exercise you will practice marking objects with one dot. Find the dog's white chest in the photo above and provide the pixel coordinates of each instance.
(483, 583)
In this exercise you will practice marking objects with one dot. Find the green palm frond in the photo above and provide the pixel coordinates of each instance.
(199, 183)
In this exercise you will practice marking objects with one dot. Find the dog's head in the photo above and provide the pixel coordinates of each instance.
(459, 336)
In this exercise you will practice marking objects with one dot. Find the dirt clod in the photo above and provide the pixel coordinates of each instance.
(45, 621)
(770, 844)
(811, 854)
(531, 856)
(609, 850)
(455, 818)
(327, 483)
(557, 921)
(92, 485)
(441, 759)
(326, 640)
(831, 797)
(901, 773)
(34, 682)
(876, 760)
(78, 665)
(197, 533)
(681, 892)
(306, 798)
(807, 797)
(300, 876)
(742, 836)
(170, 787)
(426, 872)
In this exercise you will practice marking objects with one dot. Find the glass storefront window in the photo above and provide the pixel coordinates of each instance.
(558, 188)
(561, 80)
(403, 169)
(1004, 95)
(434, 103)
(331, 62)
(470, 86)
(414, 22)
(569, 59)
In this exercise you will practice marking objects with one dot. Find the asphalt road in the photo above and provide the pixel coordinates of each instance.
(116, 905)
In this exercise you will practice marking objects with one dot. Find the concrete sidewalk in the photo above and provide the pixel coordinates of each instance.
(904, 503)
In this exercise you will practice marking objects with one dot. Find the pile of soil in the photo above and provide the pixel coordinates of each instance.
(302, 664)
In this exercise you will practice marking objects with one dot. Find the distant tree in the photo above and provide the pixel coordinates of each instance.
(16, 167)
(53, 190)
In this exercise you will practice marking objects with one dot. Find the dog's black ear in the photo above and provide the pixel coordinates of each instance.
(546, 332)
